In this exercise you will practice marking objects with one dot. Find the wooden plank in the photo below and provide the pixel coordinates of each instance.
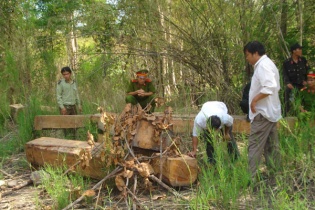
(176, 171)
(180, 124)
(60, 121)
(60, 152)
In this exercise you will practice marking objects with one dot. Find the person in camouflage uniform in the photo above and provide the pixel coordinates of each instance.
(141, 90)
(307, 94)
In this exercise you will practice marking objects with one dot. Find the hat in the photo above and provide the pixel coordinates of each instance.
(311, 74)
(142, 72)
(296, 46)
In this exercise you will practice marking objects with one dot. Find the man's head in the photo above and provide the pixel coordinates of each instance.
(66, 73)
(296, 49)
(214, 122)
(142, 75)
(253, 51)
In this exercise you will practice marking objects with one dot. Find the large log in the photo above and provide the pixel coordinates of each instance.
(60, 121)
(176, 171)
(60, 152)
(145, 137)
(181, 123)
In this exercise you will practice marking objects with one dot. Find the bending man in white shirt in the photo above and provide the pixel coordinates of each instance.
(213, 117)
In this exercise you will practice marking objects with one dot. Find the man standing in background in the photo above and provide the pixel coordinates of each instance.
(265, 109)
(295, 71)
(67, 95)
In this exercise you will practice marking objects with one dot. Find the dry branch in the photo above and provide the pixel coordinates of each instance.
(110, 175)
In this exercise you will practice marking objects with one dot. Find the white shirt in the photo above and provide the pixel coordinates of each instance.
(209, 109)
(266, 80)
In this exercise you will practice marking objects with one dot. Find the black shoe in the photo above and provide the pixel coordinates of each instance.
(247, 118)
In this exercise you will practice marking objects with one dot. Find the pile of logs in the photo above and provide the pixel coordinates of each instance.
(138, 145)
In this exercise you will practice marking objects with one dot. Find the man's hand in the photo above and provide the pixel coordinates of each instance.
(290, 86)
(140, 92)
(80, 109)
(253, 106)
(64, 111)
(227, 137)
(192, 154)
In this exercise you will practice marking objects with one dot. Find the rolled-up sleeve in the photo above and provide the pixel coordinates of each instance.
(268, 81)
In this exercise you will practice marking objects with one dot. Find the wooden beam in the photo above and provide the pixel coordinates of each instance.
(181, 123)
(61, 152)
(60, 121)
(176, 171)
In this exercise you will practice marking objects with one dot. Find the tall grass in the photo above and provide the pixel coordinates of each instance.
(62, 189)
(225, 185)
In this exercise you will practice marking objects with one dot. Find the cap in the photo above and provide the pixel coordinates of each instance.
(142, 72)
(311, 74)
(296, 46)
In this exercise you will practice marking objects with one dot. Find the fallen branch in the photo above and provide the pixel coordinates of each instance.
(110, 175)
(154, 178)
(24, 184)
(5, 173)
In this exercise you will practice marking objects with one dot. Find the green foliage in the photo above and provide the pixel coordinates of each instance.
(60, 187)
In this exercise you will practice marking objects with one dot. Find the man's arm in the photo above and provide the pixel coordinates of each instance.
(194, 147)
(286, 78)
(256, 99)
(59, 96)
(77, 99)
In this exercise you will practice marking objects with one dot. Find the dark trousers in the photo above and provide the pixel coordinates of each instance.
(70, 132)
(244, 106)
(288, 93)
(231, 146)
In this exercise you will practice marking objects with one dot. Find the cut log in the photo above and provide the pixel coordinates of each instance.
(176, 171)
(60, 152)
(182, 124)
(60, 121)
(145, 137)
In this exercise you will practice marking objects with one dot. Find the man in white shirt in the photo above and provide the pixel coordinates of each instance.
(213, 116)
(265, 108)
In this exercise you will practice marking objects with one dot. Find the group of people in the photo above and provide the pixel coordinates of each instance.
(298, 84)
(264, 112)
(263, 106)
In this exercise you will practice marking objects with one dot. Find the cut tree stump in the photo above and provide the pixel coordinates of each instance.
(176, 171)
(60, 152)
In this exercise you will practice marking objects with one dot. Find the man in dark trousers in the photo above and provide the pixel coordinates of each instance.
(295, 71)
(213, 117)
(244, 102)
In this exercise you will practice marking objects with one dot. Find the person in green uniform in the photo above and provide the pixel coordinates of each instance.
(141, 90)
(68, 98)
(308, 94)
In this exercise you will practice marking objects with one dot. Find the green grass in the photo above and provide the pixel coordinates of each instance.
(291, 187)
(61, 188)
